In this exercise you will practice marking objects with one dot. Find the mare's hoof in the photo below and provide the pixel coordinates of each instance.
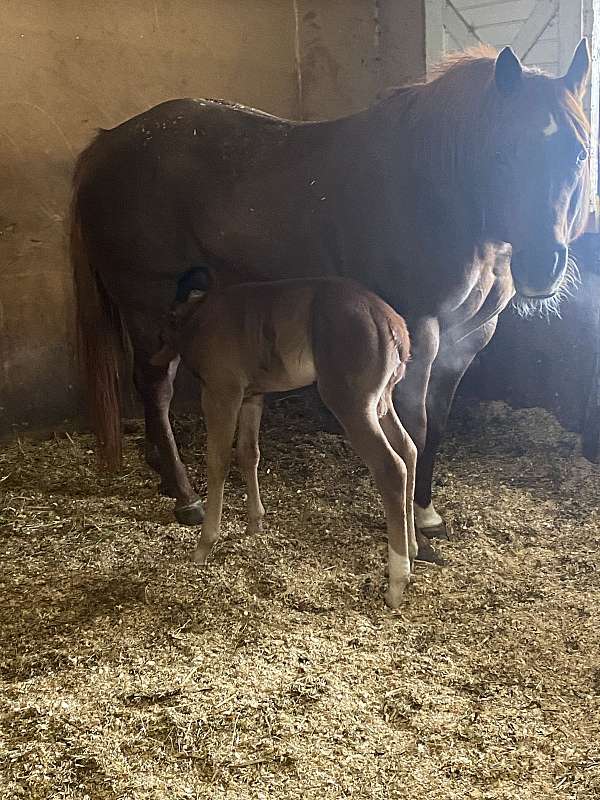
(191, 514)
(440, 531)
(426, 551)
(165, 490)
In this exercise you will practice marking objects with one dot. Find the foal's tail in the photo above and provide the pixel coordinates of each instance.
(99, 332)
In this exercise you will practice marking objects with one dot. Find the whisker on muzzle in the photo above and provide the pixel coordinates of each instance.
(547, 307)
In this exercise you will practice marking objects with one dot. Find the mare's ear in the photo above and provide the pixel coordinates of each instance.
(577, 75)
(508, 71)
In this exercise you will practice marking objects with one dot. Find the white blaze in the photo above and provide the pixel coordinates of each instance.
(551, 128)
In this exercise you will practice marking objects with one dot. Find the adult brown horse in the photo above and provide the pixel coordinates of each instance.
(445, 198)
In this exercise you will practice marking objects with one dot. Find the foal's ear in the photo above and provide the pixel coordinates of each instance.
(577, 75)
(508, 71)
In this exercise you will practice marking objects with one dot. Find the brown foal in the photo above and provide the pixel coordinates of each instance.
(248, 339)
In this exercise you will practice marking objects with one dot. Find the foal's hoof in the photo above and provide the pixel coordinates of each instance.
(254, 526)
(440, 531)
(191, 514)
(426, 551)
(201, 553)
(394, 597)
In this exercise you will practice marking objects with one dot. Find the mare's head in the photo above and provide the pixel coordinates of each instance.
(539, 174)
(517, 154)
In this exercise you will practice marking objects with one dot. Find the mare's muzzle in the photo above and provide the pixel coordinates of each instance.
(539, 274)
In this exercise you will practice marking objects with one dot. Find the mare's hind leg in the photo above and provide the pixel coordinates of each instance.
(220, 414)
(390, 475)
(155, 385)
(248, 457)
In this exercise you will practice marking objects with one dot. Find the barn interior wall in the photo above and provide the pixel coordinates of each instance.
(349, 50)
(71, 67)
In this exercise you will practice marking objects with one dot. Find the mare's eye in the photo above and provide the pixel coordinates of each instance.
(582, 157)
(501, 158)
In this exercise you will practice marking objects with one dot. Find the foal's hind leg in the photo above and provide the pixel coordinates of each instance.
(390, 475)
(155, 385)
(405, 447)
(151, 452)
(220, 414)
(248, 456)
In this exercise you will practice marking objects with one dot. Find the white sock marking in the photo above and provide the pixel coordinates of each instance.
(427, 517)
(551, 128)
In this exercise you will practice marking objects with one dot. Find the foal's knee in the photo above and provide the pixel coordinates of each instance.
(410, 452)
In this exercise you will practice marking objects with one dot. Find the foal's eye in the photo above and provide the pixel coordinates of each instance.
(582, 157)
(501, 158)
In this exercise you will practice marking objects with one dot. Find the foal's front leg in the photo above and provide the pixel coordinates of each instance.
(404, 446)
(155, 385)
(220, 414)
(248, 456)
(390, 475)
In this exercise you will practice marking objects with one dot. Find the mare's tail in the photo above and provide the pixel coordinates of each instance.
(99, 329)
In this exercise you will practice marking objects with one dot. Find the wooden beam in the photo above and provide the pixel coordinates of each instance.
(570, 27)
(591, 28)
(536, 23)
(456, 25)
(434, 33)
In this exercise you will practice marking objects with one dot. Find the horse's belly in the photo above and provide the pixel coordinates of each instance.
(292, 372)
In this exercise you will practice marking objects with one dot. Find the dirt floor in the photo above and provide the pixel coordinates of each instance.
(277, 672)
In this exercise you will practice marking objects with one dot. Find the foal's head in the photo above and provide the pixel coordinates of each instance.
(191, 290)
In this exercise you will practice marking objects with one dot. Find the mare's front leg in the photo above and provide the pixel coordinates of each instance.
(447, 371)
(410, 399)
(248, 457)
(221, 410)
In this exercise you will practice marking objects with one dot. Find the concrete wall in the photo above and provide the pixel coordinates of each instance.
(70, 66)
(351, 49)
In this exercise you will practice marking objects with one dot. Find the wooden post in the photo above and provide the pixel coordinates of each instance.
(590, 431)
(434, 33)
